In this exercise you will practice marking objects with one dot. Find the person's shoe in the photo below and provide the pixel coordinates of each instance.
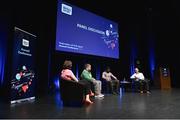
(114, 93)
(141, 92)
(99, 96)
(148, 92)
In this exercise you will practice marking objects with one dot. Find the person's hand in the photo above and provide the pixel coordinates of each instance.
(75, 80)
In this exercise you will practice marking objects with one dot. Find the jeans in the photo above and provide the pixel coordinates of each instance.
(97, 86)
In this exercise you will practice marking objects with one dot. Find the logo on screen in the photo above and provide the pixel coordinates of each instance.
(25, 43)
(111, 37)
(66, 9)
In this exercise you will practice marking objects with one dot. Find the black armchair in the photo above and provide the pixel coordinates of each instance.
(72, 93)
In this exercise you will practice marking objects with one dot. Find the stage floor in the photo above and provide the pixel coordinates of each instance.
(160, 104)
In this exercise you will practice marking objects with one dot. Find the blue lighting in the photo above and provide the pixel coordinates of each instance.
(58, 101)
(133, 56)
(121, 92)
(151, 56)
(77, 71)
(98, 72)
(152, 61)
(3, 40)
(2, 65)
(56, 82)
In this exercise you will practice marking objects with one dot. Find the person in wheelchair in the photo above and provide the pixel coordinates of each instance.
(139, 80)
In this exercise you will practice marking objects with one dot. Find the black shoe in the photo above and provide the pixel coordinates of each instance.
(117, 93)
(114, 93)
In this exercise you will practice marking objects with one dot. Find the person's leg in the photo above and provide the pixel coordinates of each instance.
(96, 87)
(116, 82)
(87, 92)
(111, 85)
(147, 85)
(141, 85)
(88, 99)
(136, 86)
(87, 85)
(99, 85)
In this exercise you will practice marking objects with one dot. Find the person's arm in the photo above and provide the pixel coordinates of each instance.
(73, 77)
(133, 76)
(113, 76)
(85, 75)
(104, 76)
(141, 76)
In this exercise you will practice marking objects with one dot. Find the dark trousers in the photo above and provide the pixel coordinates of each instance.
(87, 86)
(142, 85)
(114, 85)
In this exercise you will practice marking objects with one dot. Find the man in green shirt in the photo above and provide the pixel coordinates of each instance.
(86, 75)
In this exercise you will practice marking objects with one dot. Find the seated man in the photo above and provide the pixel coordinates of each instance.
(112, 80)
(138, 78)
(86, 75)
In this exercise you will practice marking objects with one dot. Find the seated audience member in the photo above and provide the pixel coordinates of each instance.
(86, 75)
(67, 74)
(112, 80)
(139, 79)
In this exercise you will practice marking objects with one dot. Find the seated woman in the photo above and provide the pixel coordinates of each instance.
(67, 74)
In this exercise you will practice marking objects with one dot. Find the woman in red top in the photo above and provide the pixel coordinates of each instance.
(67, 74)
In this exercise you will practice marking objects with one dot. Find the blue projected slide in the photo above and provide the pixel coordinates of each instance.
(80, 31)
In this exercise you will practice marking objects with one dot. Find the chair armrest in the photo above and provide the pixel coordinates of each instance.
(71, 83)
